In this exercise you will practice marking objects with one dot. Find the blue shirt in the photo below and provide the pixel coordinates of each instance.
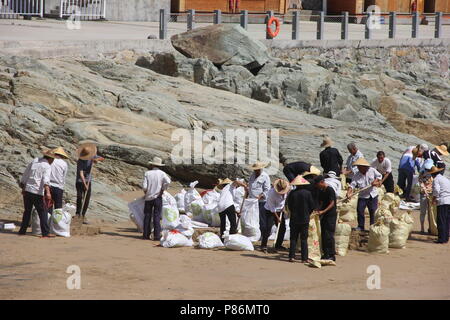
(86, 167)
(408, 163)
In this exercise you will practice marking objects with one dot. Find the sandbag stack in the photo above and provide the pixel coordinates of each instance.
(342, 238)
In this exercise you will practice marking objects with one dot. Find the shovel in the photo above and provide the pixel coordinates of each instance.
(278, 228)
(88, 186)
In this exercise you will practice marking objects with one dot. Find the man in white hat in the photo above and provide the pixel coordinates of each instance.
(367, 179)
(58, 178)
(436, 155)
(258, 187)
(350, 170)
(441, 197)
(384, 166)
(155, 183)
(330, 158)
(35, 184)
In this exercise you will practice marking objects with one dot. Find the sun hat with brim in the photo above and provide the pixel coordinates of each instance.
(48, 153)
(442, 150)
(87, 151)
(224, 181)
(157, 161)
(299, 181)
(434, 169)
(332, 174)
(281, 186)
(313, 170)
(60, 152)
(326, 142)
(258, 165)
(361, 162)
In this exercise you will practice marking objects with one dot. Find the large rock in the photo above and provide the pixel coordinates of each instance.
(222, 44)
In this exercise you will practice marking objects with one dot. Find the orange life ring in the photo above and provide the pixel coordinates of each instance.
(270, 32)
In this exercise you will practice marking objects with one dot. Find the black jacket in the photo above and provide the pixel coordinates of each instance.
(292, 170)
(331, 160)
(301, 205)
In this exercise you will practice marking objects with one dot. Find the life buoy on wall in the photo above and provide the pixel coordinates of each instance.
(272, 34)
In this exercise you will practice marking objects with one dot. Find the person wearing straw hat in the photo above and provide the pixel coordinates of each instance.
(300, 204)
(407, 166)
(330, 158)
(350, 170)
(328, 217)
(384, 166)
(276, 198)
(87, 156)
(257, 188)
(367, 179)
(441, 197)
(426, 189)
(35, 184)
(226, 206)
(155, 183)
(58, 178)
(436, 155)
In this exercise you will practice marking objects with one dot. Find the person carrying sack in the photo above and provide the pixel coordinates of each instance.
(276, 198)
(58, 178)
(155, 183)
(35, 184)
(226, 207)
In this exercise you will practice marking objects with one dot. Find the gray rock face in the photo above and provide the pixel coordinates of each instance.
(222, 44)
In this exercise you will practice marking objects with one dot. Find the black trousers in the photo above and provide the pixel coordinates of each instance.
(443, 222)
(57, 196)
(268, 224)
(81, 191)
(31, 200)
(153, 210)
(229, 212)
(296, 231)
(389, 183)
(328, 227)
(281, 232)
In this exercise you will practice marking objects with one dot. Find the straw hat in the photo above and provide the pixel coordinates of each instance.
(313, 170)
(281, 186)
(258, 165)
(60, 152)
(442, 150)
(157, 161)
(299, 181)
(434, 169)
(87, 151)
(361, 162)
(224, 181)
(49, 153)
(326, 142)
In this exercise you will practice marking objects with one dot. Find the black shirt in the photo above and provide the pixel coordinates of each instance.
(301, 205)
(325, 197)
(292, 170)
(86, 167)
(331, 160)
(437, 160)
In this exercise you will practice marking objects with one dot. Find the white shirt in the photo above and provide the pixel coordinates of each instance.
(383, 167)
(275, 201)
(226, 197)
(364, 180)
(58, 173)
(155, 181)
(352, 158)
(37, 176)
(258, 185)
(336, 185)
(441, 190)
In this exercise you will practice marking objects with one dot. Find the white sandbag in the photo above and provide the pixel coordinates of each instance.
(185, 226)
(193, 203)
(384, 214)
(136, 208)
(60, 223)
(287, 234)
(238, 242)
(342, 238)
(36, 223)
(210, 208)
(415, 190)
(187, 232)
(378, 238)
(70, 208)
(168, 200)
(179, 197)
(238, 197)
(209, 240)
(170, 217)
(399, 232)
(347, 210)
(185, 222)
(432, 218)
(250, 219)
(408, 219)
(173, 239)
(199, 225)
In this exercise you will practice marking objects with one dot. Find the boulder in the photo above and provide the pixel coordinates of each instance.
(222, 44)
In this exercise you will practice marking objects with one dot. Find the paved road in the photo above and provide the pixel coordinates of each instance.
(49, 29)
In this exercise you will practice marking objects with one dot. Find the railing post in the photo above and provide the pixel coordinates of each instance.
(295, 25)
(438, 25)
(190, 19)
(217, 16)
(162, 24)
(320, 26)
(269, 15)
(244, 19)
(104, 9)
(392, 25)
(415, 25)
(344, 26)
(369, 26)
(61, 9)
(41, 7)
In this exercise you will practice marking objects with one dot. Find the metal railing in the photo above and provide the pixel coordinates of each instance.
(84, 9)
(14, 8)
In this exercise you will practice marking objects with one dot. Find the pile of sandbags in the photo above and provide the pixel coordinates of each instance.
(378, 237)
(237, 242)
(193, 203)
(342, 238)
(170, 213)
(347, 209)
(250, 219)
(209, 240)
(60, 223)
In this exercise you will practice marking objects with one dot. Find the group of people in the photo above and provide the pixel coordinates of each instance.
(44, 180)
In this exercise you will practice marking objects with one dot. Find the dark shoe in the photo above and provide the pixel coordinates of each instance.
(281, 248)
(264, 249)
(291, 260)
(437, 241)
(21, 233)
(50, 235)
